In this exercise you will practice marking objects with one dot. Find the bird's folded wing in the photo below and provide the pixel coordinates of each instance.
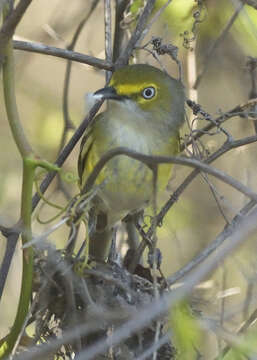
(85, 147)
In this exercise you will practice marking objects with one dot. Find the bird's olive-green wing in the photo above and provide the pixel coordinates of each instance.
(85, 146)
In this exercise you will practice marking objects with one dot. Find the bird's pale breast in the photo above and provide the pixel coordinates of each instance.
(126, 184)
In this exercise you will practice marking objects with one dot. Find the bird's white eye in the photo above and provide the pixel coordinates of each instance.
(148, 93)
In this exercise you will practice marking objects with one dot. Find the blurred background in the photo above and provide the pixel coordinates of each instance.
(197, 217)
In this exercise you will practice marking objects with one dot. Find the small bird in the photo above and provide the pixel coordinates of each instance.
(144, 112)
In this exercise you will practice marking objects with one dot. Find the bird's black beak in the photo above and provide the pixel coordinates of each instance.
(109, 93)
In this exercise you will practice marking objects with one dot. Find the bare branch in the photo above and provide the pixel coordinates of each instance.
(237, 110)
(175, 196)
(62, 53)
(249, 322)
(108, 34)
(11, 241)
(152, 311)
(66, 151)
(156, 308)
(118, 31)
(154, 347)
(67, 121)
(152, 21)
(125, 55)
(151, 160)
(221, 151)
(198, 259)
(9, 26)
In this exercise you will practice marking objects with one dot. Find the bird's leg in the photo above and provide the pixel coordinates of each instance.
(113, 253)
(100, 238)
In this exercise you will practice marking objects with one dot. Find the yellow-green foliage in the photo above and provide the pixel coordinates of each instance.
(185, 331)
(179, 16)
(245, 347)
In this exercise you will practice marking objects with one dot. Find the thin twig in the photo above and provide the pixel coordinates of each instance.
(215, 196)
(11, 241)
(40, 48)
(67, 121)
(20, 138)
(30, 162)
(222, 150)
(198, 259)
(154, 160)
(250, 321)
(108, 35)
(152, 21)
(154, 251)
(11, 22)
(154, 347)
(150, 311)
(47, 181)
(175, 196)
(252, 67)
(119, 33)
(214, 46)
(127, 52)
(68, 125)
(223, 298)
(236, 111)
(66, 151)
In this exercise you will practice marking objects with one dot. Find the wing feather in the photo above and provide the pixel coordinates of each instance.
(85, 146)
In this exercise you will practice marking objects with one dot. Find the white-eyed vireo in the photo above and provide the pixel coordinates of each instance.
(144, 113)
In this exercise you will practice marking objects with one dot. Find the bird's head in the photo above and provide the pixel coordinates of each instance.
(147, 88)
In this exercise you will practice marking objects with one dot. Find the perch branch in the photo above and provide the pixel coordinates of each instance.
(62, 53)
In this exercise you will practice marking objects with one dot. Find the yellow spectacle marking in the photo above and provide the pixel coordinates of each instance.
(129, 89)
